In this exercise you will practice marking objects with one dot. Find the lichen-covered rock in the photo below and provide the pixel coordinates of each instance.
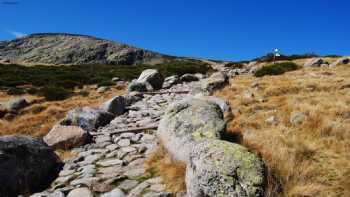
(224, 105)
(170, 81)
(87, 118)
(66, 137)
(116, 105)
(220, 168)
(215, 81)
(188, 121)
(153, 77)
(27, 166)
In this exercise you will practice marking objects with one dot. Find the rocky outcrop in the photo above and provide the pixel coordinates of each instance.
(188, 121)
(87, 118)
(26, 166)
(66, 137)
(63, 49)
(220, 168)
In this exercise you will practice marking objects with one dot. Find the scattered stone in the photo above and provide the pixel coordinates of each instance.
(80, 192)
(26, 166)
(115, 105)
(66, 137)
(115, 79)
(189, 78)
(87, 118)
(135, 173)
(188, 121)
(272, 120)
(221, 168)
(160, 194)
(139, 189)
(128, 184)
(297, 118)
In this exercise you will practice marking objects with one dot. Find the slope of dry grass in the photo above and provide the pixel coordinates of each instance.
(37, 119)
(310, 159)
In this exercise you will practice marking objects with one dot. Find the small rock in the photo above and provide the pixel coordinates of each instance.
(102, 89)
(115, 79)
(272, 120)
(15, 105)
(128, 184)
(153, 77)
(124, 142)
(114, 193)
(189, 78)
(340, 61)
(314, 62)
(297, 118)
(110, 162)
(115, 105)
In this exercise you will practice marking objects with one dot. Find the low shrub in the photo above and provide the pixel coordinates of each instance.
(52, 93)
(276, 69)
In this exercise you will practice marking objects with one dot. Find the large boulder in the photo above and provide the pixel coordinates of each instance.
(87, 118)
(224, 105)
(115, 105)
(66, 137)
(15, 105)
(188, 121)
(215, 81)
(314, 62)
(189, 78)
(221, 168)
(26, 166)
(153, 77)
(139, 87)
(170, 81)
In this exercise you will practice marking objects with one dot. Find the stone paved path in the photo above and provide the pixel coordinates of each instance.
(115, 162)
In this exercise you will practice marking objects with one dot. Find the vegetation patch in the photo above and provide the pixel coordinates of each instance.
(276, 69)
(62, 80)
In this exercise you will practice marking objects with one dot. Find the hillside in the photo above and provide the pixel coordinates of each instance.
(71, 49)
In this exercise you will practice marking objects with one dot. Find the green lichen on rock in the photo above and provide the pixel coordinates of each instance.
(220, 168)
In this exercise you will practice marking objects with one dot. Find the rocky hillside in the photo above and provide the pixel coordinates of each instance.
(71, 49)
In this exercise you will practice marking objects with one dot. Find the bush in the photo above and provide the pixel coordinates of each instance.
(276, 69)
(234, 65)
(15, 91)
(54, 93)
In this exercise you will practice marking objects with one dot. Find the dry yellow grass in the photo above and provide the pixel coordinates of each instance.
(37, 119)
(310, 159)
(160, 163)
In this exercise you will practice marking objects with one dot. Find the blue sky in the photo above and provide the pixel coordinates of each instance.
(218, 29)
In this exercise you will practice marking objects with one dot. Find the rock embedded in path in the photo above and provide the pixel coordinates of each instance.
(66, 137)
(188, 121)
(115, 105)
(153, 77)
(221, 168)
(80, 192)
(87, 118)
(27, 166)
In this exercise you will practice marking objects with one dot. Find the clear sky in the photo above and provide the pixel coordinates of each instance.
(218, 29)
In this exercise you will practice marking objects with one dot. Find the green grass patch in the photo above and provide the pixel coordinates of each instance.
(276, 69)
